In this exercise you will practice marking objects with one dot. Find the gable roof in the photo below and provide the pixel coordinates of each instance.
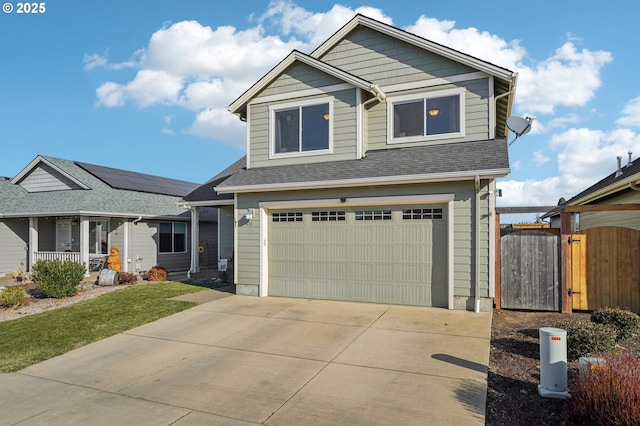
(431, 46)
(205, 194)
(430, 163)
(96, 196)
(611, 184)
(296, 56)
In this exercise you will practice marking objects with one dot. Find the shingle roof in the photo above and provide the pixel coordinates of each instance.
(205, 191)
(444, 160)
(100, 198)
(627, 171)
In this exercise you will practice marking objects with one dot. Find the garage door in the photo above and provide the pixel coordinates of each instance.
(384, 255)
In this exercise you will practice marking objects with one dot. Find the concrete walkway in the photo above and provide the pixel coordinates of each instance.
(276, 361)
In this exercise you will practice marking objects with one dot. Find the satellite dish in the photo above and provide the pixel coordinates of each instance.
(520, 126)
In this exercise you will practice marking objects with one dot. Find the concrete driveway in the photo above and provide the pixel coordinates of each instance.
(242, 360)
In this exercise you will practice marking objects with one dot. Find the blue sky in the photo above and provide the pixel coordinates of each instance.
(143, 85)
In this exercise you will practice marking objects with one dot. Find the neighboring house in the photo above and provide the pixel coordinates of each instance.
(60, 209)
(620, 187)
(370, 172)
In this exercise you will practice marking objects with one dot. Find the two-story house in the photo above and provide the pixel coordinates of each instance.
(370, 173)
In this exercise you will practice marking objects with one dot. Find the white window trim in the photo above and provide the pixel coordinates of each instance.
(173, 233)
(272, 128)
(392, 100)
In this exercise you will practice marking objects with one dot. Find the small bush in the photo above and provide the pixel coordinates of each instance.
(57, 278)
(626, 323)
(157, 273)
(128, 278)
(12, 297)
(587, 338)
(607, 395)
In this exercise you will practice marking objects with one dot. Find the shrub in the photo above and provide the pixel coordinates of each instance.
(607, 395)
(157, 273)
(57, 278)
(128, 278)
(12, 296)
(626, 323)
(586, 338)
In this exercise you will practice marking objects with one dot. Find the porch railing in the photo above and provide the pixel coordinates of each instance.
(66, 256)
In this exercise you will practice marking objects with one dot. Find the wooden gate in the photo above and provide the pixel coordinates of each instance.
(606, 269)
(530, 273)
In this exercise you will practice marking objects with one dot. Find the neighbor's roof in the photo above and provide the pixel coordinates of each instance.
(444, 162)
(102, 193)
(205, 193)
(603, 188)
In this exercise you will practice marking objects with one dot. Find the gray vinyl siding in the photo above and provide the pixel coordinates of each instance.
(45, 178)
(298, 77)
(344, 131)
(248, 258)
(14, 237)
(142, 246)
(385, 60)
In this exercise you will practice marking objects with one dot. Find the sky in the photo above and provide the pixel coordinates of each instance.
(144, 85)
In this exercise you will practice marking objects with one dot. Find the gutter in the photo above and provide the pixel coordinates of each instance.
(381, 180)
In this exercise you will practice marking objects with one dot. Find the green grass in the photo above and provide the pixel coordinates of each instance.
(38, 337)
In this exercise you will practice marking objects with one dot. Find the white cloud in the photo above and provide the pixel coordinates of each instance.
(220, 125)
(539, 158)
(147, 88)
(630, 114)
(584, 157)
(316, 27)
(94, 60)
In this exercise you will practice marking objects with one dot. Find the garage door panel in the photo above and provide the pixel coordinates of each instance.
(369, 254)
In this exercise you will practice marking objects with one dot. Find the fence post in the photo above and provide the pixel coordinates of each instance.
(565, 262)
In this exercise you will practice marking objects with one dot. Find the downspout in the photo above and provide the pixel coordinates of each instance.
(135, 221)
(379, 95)
(634, 186)
(477, 247)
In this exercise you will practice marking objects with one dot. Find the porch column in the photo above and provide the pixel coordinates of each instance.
(195, 239)
(126, 260)
(33, 243)
(84, 242)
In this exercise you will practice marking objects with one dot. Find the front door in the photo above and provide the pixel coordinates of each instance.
(63, 235)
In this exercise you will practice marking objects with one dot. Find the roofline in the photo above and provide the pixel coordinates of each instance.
(383, 180)
(210, 203)
(79, 213)
(286, 63)
(41, 159)
(607, 190)
(416, 40)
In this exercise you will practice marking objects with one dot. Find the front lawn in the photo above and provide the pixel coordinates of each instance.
(38, 337)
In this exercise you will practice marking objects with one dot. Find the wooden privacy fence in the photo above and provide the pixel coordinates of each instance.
(605, 269)
(529, 270)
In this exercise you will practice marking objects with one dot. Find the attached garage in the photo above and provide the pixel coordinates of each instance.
(375, 253)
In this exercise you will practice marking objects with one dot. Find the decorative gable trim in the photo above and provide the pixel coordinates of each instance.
(415, 40)
(293, 57)
(33, 165)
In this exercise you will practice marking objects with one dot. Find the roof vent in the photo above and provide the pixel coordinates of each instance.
(629, 162)
(619, 171)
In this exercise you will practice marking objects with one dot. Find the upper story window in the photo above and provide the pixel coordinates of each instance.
(301, 128)
(416, 118)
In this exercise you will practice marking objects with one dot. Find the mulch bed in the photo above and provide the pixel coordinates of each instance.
(514, 369)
